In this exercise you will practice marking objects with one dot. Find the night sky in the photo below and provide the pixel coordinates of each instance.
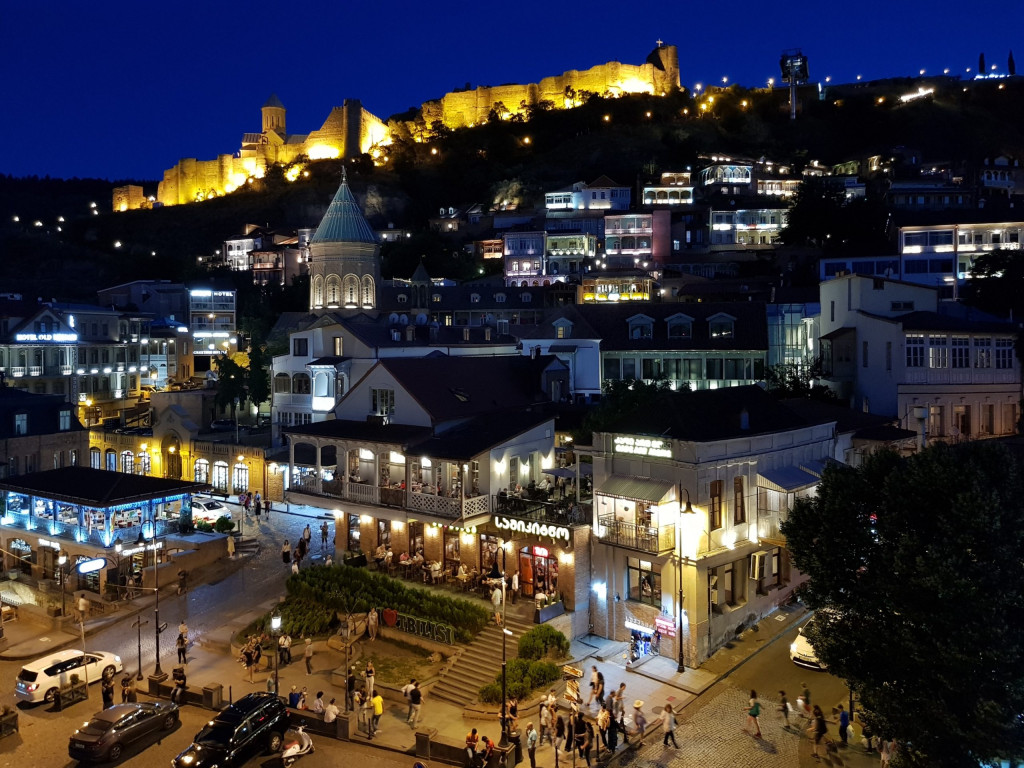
(118, 90)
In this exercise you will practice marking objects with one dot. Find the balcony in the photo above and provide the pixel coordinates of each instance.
(643, 538)
(449, 508)
(18, 371)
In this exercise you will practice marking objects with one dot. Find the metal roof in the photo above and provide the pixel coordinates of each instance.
(344, 221)
(786, 479)
(636, 488)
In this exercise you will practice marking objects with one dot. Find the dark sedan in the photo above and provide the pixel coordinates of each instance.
(106, 735)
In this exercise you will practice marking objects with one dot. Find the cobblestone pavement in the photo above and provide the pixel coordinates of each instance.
(711, 737)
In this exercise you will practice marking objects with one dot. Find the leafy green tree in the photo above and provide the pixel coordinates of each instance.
(258, 379)
(915, 570)
(231, 378)
(619, 399)
(792, 380)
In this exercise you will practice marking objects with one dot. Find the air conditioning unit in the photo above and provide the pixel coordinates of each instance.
(758, 564)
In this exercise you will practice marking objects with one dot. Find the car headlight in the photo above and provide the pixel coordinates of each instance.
(792, 647)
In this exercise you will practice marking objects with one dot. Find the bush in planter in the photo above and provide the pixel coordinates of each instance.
(205, 527)
(522, 677)
(543, 641)
(224, 525)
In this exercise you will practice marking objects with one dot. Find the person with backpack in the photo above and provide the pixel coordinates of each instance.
(753, 711)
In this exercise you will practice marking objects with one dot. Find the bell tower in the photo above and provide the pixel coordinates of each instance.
(273, 116)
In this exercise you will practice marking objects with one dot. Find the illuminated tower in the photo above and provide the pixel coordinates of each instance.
(344, 266)
(794, 71)
(273, 116)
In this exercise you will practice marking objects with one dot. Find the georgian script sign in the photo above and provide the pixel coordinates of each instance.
(431, 630)
(531, 527)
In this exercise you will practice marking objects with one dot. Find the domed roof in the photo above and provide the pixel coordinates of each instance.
(344, 221)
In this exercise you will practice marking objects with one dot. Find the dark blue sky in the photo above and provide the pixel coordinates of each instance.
(116, 89)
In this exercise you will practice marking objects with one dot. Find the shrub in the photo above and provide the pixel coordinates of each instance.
(224, 525)
(522, 677)
(543, 641)
(205, 527)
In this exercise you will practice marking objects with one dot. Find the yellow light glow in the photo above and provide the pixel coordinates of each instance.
(323, 152)
(365, 519)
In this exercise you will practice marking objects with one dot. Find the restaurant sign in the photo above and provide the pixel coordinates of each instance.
(643, 446)
(531, 527)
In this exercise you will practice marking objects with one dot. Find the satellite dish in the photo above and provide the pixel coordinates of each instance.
(393, 318)
(490, 317)
(403, 319)
(421, 319)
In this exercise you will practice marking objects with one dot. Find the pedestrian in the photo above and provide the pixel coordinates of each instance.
(128, 690)
(371, 623)
(271, 685)
(515, 587)
(108, 690)
(545, 722)
(369, 674)
(559, 739)
(256, 511)
(180, 685)
(83, 608)
(753, 709)
(307, 536)
(329, 560)
(604, 717)
(593, 683)
(323, 535)
(513, 714)
(256, 502)
(358, 704)
(817, 730)
(496, 602)
(302, 699)
(784, 709)
(295, 566)
(286, 553)
(599, 689)
(886, 749)
(531, 744)
(293, 697)
(350, 688)
(639, 722)
(331, 711)
(486, 752)
(588, 739)
(619, 710)
(231, 547)
(415, 703)
(844, 723)
(182, 645)
(378, 709)
(318, 703)
(266, 508)
(308, 656)
(284, 649)
(471, 741)
(808, 711)
(668, 725)
(406, 689)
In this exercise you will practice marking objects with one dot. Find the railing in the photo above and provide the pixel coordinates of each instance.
(18, 371)
(372, 495)
(561, 512)
(769, 527)
(35, 370)
(655, 540)
(65, 370)
(63, 529)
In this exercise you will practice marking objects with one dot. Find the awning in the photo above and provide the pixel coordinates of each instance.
(556, 348)
(560, 472)
(637, 488)
(786, 479)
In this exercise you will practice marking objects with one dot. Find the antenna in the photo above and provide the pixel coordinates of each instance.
(793, 64)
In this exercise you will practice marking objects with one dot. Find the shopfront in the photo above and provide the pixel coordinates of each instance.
(542, 554)
(538, 571)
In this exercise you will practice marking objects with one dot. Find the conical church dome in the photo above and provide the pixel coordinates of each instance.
(344, 221)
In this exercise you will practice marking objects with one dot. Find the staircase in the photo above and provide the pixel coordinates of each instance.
(480, 662)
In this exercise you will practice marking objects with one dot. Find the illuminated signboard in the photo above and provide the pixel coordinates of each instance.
(531, 527)
(89, 566)
(153, 545)
(643, 446)
(61, 338)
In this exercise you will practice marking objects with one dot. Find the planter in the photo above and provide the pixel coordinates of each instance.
(548, 612)
(8, 723)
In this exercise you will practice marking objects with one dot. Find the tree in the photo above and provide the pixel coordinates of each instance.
(257, 379)
(231, 378)
(792, 380)
(916, 575)
(619, 399)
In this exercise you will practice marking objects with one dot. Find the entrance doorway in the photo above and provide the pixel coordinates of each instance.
(538, 571)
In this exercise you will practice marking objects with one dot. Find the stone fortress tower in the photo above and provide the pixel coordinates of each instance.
(273, 116)
(344, 267)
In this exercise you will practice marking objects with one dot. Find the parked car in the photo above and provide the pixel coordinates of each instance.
(222, 425)
(254, 723)
(108, 732)
(205, 508)
(41, 679)
(802, 652)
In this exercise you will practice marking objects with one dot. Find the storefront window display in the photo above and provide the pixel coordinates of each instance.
(451, 549)
(240, 478)
(644, 581)
(354, 533)
(127, 462)
(415, 539)
(538, 572)
(489, 551)
(88, 581)
(22, 555)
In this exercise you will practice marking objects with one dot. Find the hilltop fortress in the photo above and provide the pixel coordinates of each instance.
(350, 130)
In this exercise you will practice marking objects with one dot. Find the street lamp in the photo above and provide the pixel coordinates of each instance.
(139, 624)
(118, 546)
(275, 628)
(687, 510)
(62, 560)
(157, 671)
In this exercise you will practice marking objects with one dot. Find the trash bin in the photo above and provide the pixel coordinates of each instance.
(517, 743)
(213, 696)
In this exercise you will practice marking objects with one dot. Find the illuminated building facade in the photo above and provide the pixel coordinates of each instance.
(38, 432)
(747, 223)
(602, 194)
(637, 240)
(212, 324)
(674, 188)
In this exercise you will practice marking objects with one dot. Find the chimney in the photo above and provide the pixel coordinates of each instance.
(744, 420)
(410, 332)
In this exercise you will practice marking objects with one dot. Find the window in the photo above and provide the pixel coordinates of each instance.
(300, 347)
(64, 420)
(111, 461)
(938, 352)
(337, 345)
(354, 533)
(915, 350)
(384, 533)
(680, 329)
(21, 423)
(127, 462)
(739, 502)
(936, 424)
(95, 458)
(715, 512)
(988, 419)
(301, 384)
(240, 478)
(888, 355)
(640, 330)
(721, 328)
(382, 402)
(282, 383)
(962, 420)
(1004, 354)
(219, 477)
(864, 354)
(644, 581)
(983, 353)
(961, 352)
(202, 471)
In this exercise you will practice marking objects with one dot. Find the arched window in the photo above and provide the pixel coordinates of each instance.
(202, 471)
(111, 457)
(220, 476)
(318, 291)
(144, 463)
(240, 478)
(300, 384)
(350, 290)
(333, 291)
(368, 292)
(321, 384)
(282, 383)
(95, 458)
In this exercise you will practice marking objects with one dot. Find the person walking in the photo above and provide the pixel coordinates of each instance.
(324, 530)
(593, 683)
(107, 688)
(604, 717)
(307, 536)
(496, 602)
(286, 553)
(406, 689)
(231, 547)
(308, 656)
(369, 675)
(639, 722)
(545, 722)
(844, 724)
(372, 620)
(559, 739)
(806, 697)
(599, 689)
(284, 649)
(182, 645)
(784, 709)
(817, 730)
(531, 744)
(415, 703)
(266, 508)
(350, 688)
(668, 726)
(378, 709)
(753, 709)
(83, 608)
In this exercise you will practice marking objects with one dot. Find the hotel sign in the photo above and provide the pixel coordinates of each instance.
(37, 337)
(643, 446)
(531, 527)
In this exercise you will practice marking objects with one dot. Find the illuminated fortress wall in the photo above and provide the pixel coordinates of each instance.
(658, 75)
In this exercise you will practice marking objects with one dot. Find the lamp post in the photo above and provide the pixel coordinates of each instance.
(138, 624)
(62, 561)
(687, 510)
(118, 546)
(158, 628)
(275, 629)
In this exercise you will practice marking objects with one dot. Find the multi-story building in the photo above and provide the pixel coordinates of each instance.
(38, 349)
(638, 240)
(38, 432)
(674, 188)
(212, 323)
(747, 223)
(891, 348)
(524, 253)
(569, 255)
(602, 194)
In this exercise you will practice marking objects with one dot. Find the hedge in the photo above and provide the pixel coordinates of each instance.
(528, 673)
